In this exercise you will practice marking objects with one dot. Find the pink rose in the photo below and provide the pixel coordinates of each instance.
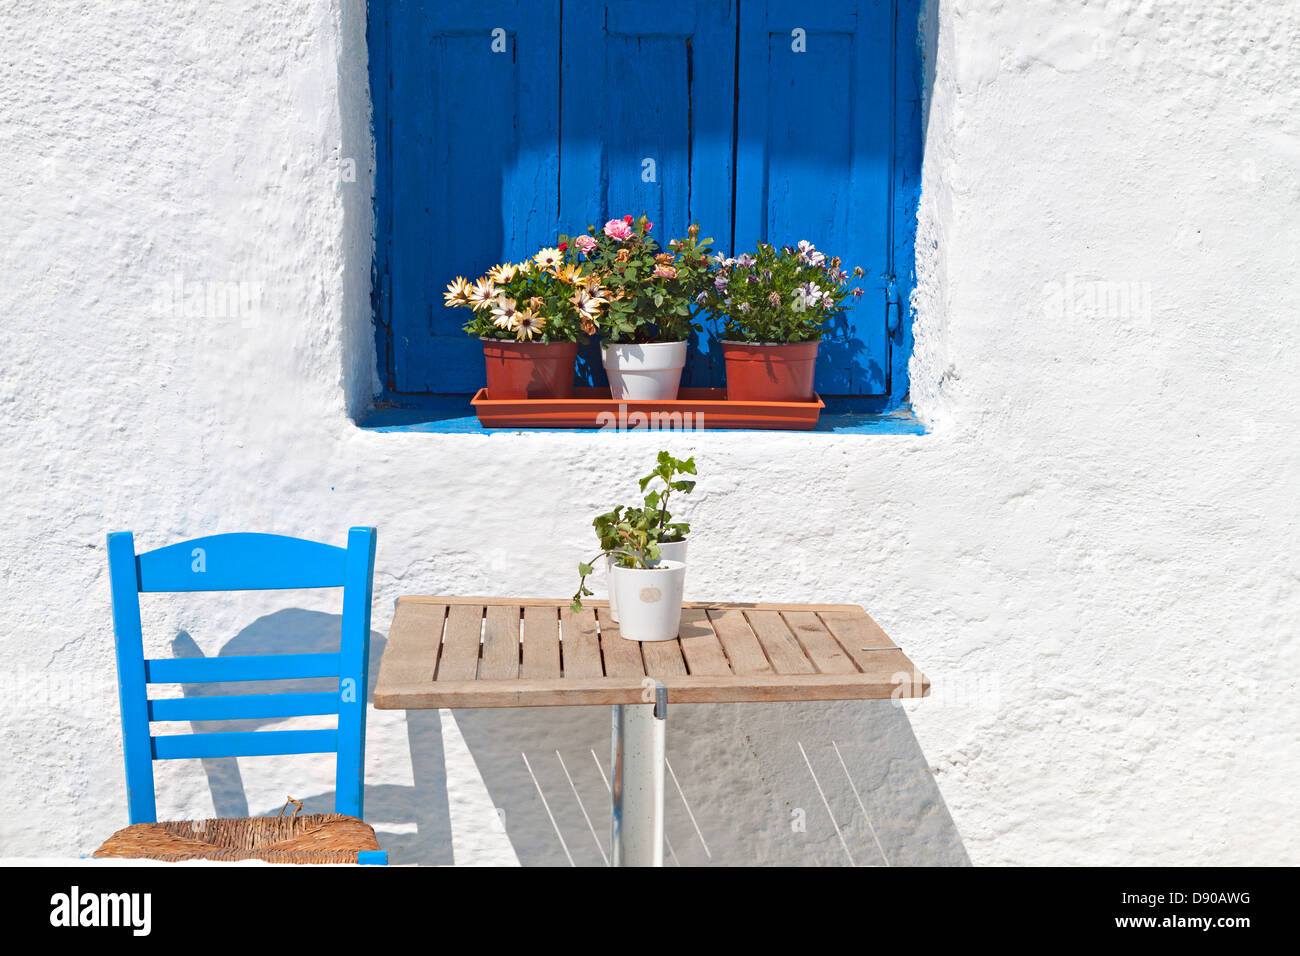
(585, 244)
(618, 229)
(649, 226)
(665, 272)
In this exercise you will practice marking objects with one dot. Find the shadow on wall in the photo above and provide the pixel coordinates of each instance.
(834, 784)
(420, 811)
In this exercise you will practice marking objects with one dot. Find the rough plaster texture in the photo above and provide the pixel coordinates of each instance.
(1093, 553)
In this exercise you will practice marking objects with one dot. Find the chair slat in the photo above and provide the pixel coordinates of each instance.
(204, 670)
(243, 706)
(254, 743)
(131, 682)
(241, 562)
(354, 682)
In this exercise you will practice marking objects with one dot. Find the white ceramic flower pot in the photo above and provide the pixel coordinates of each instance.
(649, 600)
(668, 551)
(644, 372)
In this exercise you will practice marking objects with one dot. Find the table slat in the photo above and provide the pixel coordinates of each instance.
(738, 640)
(622, 657)
(700, 646)
(782, 649)
(853, 632)
(500, 643)
(580, 644)
(411, 652)
(541, 643)
(822, 649)
(663, 658)
(460, 647)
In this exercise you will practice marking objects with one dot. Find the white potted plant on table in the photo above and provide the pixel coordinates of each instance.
(671, 535)
(645, 553)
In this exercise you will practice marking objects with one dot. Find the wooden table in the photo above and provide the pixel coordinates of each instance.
(529, 652)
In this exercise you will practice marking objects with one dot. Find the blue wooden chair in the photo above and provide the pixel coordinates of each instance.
(243, 562)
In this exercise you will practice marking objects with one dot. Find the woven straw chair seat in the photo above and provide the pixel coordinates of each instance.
(312, 838)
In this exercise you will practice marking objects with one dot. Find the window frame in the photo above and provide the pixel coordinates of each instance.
(906, 136)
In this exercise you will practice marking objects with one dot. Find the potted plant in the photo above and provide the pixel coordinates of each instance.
(646, 587)
(776, 304)
(671, 536)
(531, 316)
(644, 539)
(653, 300)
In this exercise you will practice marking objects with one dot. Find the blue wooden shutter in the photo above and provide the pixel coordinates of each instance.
(813, 158)
(650, 83)
(472, 155)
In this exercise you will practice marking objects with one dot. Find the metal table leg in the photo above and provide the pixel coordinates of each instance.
(637, 782)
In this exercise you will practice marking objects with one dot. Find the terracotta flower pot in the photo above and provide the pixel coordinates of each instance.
(777, 372)
(529, 369)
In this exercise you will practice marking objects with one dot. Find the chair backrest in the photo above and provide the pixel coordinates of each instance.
(243, 562)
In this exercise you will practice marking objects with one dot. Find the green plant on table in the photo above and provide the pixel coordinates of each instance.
(667, 468)
(631, 534)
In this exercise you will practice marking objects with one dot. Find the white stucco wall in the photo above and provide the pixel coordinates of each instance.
(1093, 554)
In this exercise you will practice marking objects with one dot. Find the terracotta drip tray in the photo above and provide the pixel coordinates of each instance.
(694, 408)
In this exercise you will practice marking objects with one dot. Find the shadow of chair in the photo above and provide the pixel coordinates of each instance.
(398, 807)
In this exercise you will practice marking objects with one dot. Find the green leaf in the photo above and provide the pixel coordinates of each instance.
(584, 569)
